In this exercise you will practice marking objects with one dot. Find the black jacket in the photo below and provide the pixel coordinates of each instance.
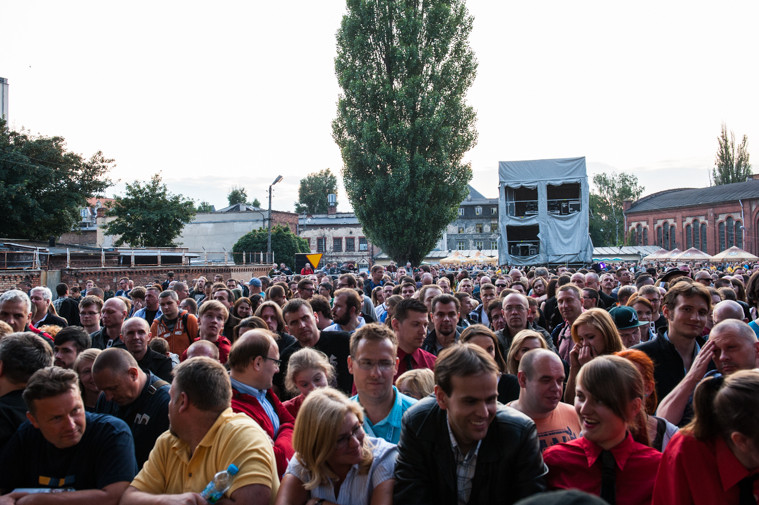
(509, 464)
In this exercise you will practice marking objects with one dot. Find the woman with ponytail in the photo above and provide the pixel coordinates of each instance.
(613, 458)
(715, 458)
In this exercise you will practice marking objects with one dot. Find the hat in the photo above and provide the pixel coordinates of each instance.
(672, 273)
(254, 282)
(625, 318)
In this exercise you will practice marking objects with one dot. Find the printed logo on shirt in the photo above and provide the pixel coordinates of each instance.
(55, 482)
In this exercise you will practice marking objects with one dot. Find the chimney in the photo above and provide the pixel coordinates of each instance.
(626, 205)
(331, 204)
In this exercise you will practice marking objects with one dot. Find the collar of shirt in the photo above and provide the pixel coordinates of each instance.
(731, 471)
(258, 394)
(621, 452)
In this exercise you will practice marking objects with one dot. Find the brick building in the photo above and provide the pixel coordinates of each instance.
(710, 219)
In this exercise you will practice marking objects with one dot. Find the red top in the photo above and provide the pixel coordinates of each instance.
(293, 405)
(696, 472)
(577, 465)
(419, 358)
(222, 343)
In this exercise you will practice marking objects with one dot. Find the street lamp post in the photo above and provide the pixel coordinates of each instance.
(268, 243)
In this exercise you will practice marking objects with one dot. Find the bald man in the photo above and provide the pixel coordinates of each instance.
(728, 309)
(112, 317)
(732, 346)
(141, 400)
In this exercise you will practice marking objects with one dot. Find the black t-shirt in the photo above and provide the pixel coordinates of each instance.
(336, 345)
(12, 414)
(150, 315)
(104, 455)
(147, 416)
(157, 364)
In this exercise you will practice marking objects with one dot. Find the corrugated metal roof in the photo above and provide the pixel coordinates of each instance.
(690, 197)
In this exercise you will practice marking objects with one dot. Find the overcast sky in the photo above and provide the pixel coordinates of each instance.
(216, 94)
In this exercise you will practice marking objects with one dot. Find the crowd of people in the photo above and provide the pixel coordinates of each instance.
(628, 385)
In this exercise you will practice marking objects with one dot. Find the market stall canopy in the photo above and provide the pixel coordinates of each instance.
(692, 254)
(656, 255)
(733, 254)
(671, 255)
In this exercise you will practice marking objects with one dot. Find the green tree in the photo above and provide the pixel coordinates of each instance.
(731, 163)
(43, 186)
(149, 216)
(205, 207)
(284, 244)
(402, 125)
(313, 191)
(256, 203)
(237, 195)
(607, 219)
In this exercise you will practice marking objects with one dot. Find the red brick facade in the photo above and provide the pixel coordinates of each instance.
(720, 226)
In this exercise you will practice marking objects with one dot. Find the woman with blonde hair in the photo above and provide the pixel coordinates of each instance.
(594, 334)
(334, 461)
(612, 458)
(417, 383)
(525, 340)
(307, 370)
(87, 387)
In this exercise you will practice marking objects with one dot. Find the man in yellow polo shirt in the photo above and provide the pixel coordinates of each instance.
(205, 437)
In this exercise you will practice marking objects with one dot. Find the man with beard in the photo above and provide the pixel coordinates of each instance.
(346, 311)
(69, 342)
(205, 437)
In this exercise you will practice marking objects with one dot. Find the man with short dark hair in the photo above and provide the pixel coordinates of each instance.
(226, 298)
(89, 313)
(410, 325)
(65, 306)
(62, 446)
(21, 354)
(321, 306)
(460, 446)
(673, 351)
(181, 289)
(346, 311)
(374, 364)
(445, 315)
(69, 342)
(141, 400)
(205, 437)
(301, 323)
(569, 302)
(305, 288)
(178, 327)
(253, 362)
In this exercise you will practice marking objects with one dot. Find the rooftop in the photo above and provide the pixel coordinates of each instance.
(691, 197)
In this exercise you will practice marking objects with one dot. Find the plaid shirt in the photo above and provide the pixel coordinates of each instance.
(465, 467)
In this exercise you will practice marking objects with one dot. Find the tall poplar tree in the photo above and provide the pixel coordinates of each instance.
(403, 126)
(731, 163)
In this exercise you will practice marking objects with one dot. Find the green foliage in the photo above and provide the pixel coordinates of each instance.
(204, 207)
(43, 186)
(149, 216)
(402, 125)
(607, 219)
(237, 195)
(284, 244)
(256, 203)
(731, 163)
(313, 191)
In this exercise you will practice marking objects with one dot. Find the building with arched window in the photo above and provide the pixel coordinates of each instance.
(710, 219)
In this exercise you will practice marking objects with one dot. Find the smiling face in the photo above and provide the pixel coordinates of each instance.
(471, 406)
(688, 318)
(570, 304)
(599, 423)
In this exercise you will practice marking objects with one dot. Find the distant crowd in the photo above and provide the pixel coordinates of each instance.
(627, 385)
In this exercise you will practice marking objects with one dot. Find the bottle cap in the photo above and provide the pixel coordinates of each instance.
(232, 470)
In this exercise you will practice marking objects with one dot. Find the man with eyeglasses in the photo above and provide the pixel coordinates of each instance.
(253, 361)
(373, 361)
(305, 289)
(515, 308)
(500, 284)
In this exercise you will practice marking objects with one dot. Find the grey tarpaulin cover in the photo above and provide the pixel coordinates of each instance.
(543, 205)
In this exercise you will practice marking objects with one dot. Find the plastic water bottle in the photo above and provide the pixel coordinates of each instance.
(219, 485)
